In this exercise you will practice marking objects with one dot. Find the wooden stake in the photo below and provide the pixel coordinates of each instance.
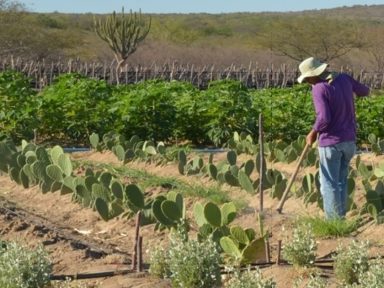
(261, 162)
(278, 260)
(140, 254)
(267, 250)
(135, 249)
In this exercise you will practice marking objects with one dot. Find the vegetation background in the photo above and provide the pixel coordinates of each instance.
(345, 36)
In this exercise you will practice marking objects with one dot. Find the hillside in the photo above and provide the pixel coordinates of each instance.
(207, 39)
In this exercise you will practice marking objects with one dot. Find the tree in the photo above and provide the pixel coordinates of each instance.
(11, 6)
(123, 33)
(374, 36)
(300, 37)
(11, 12)
(29, 36)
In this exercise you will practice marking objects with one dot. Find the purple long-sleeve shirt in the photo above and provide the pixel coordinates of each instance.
(335, 109)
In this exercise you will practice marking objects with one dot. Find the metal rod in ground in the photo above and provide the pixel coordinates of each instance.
(278, 260)
(293, 177)
(140, 254)
(261, 145)
(137, 231)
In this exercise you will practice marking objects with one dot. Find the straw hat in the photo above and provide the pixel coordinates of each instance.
(311, 67)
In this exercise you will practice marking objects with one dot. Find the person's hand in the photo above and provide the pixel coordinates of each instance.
(311, 137)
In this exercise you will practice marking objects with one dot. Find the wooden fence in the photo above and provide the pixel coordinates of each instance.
(43, 73)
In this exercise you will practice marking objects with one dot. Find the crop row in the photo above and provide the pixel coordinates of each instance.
(232, 173)
(52, 170)
(74, 106)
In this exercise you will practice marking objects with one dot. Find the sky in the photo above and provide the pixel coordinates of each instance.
(186, 6)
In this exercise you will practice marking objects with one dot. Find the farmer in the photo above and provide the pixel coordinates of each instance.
(335, 128)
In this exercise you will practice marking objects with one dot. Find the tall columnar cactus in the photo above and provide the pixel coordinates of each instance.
(123, 33)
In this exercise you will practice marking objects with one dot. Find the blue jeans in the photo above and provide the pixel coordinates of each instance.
(334, 165)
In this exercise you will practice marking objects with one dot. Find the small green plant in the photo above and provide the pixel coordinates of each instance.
(250, 279)
(351, 262)
(301, 249)
(314, 281)
(372, 278)
(194, 264)
(159, 263)
(21, 267)
(325, 228)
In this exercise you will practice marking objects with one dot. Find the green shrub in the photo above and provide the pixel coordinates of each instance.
(369, 111)
(250, 279)
(287, 112)
(351, 262)
(193, 264)
(227, 107)
(23, 268)
(314, 281)
(18, 106)
(156, 109)
(301, 249)
(159, 263)
(373, 278)
(74, 107)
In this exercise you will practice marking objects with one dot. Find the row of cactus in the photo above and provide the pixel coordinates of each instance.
(242, 143)
(110, 198)
(377, 144)
(190, 167)
(133, 149)
(31, 165)
(275, 151)
(107, 195)
(224, 172)
(230, 173)
(52, 170)
(310, 191)
(293, 151)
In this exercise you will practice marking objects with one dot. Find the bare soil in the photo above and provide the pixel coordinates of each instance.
(79, 241)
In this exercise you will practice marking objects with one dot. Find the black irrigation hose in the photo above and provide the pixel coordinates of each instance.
(82, 276)
(104, 274)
